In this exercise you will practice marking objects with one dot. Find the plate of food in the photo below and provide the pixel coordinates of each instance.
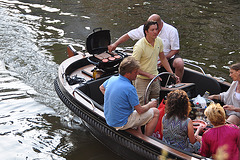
(197, 123)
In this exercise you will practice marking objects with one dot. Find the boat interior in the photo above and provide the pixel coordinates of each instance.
(193, 83)
(85, 72)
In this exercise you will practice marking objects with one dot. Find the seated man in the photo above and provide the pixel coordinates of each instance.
(120, 100)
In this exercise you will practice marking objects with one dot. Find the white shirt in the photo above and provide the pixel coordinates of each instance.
(168, 34)
(237, 95)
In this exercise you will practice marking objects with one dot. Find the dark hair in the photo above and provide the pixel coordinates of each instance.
(147, 25)
(128, 65)
(178, 104)
(235, 67)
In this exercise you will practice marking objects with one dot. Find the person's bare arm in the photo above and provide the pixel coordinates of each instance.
(142, 109)
(171, 53)
(196, 134)
(120, 40)
(102, 89)
(217, 97)
(231, 108)
(164, 62)
(146, 74)
(166, 65)
(191, 136)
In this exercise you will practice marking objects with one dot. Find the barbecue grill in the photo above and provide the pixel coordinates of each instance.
(97, 45)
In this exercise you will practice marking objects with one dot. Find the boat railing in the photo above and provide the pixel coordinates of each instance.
(84, 97)
(194, 65)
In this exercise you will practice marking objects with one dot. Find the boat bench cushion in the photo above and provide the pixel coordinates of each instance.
(92, 90)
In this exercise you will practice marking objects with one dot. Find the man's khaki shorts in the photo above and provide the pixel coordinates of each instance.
(141, 85)
(136, 120)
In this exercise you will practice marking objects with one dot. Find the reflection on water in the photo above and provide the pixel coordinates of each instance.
(23, 130)
(33, 121)
(34, 34)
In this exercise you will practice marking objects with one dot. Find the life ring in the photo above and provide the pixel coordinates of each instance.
(197, 123)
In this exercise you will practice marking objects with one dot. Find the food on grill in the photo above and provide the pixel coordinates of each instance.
(104, 60)
(117, 57)
(111, 58)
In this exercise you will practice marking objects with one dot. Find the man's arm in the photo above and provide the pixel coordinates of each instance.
(134, 34)
(146, 74)
(164, 62)
(171, 53)
(166, 65)
(102, 89)
(122, 39)
(142, 109)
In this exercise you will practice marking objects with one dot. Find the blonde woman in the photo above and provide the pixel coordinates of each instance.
(221, 136)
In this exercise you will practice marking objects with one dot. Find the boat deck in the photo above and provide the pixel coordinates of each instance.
(84, 72)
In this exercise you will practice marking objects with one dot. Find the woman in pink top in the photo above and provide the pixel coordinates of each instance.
(221, 140)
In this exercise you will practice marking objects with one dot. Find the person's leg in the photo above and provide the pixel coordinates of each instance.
(151, 125)
(149, 119)
(136, 120)
(154, 90)
(234, 119)
(141, 85)
(178, 64)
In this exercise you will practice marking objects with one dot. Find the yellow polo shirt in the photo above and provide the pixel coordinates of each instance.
(147, 55)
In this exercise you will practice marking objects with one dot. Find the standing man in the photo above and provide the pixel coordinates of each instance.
(120, 100)
(146, 51)
(170, 39)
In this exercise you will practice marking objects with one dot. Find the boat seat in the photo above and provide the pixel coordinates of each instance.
(95, 92)
(91, 89)
(203, 83)
(189, 88)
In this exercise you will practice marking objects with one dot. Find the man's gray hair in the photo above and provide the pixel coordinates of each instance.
(128, 65)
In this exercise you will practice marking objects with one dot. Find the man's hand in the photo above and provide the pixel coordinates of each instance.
(152, 104)
(152, 76)
(102, 89)
(112, 47)
(176, 78)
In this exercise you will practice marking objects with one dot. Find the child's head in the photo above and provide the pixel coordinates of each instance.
(215, 114)
(178, 104)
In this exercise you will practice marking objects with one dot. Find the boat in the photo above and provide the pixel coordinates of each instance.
(77, 85)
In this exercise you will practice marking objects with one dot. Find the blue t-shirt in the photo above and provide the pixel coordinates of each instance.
(119, 100)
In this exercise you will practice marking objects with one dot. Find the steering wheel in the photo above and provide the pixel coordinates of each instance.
(150, 83)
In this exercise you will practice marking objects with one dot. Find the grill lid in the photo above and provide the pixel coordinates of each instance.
(98, 41)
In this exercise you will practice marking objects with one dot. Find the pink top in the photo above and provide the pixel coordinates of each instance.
(216, 137)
